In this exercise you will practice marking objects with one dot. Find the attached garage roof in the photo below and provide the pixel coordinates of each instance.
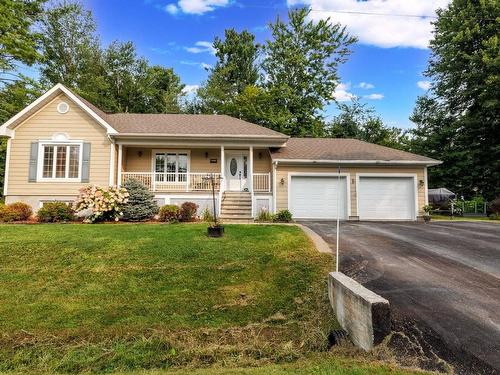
(331, 150)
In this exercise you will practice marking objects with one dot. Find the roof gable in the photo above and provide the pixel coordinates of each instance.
(9, 126)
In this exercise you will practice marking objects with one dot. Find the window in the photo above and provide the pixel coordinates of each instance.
(60, 161)
(171, 166)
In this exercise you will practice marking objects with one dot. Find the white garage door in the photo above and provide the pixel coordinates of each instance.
(386, 198)
(315, 197)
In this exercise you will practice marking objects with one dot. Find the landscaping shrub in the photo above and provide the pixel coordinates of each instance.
(103, 204)
(141, 204)
(265, 216)
(283, 216)
(188, 211)
(16, 211)
(207, 216)
(55, 212)
(169, 213)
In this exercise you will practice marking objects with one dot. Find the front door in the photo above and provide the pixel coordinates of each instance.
(236, 172)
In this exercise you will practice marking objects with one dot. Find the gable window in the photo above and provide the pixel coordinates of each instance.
(60, 161)
(171, 166)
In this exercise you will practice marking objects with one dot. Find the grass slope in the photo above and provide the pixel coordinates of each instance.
(133, 297)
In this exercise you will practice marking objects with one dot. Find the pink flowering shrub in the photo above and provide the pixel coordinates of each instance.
(103, 203)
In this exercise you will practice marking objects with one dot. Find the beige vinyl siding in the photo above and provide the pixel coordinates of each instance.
(139, 159)
(261, 161)
(77, 125)
(283, 170)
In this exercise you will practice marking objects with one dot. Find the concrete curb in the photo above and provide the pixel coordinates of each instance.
(318, 241)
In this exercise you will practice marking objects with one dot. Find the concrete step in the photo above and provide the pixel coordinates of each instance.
(237, 212)
(237, 202)
(237, 221)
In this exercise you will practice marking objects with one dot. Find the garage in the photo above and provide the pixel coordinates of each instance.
(315, 197)
(386, 198)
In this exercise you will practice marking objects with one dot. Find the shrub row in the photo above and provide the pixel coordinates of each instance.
(16, 211)
(283, 216)
(171, 213)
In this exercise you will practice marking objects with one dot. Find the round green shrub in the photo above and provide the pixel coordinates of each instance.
(283, 216)
(169, 213)
(141, 205)
(55, 212)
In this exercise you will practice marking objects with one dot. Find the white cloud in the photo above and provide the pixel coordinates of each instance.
(374, 96)
(342, 93)
(195, 6)
(379, 30)
(201, 47)
(424, 85)
(190, 89)
(365, 86)
(206, 66)
(201, 65)
(172, 9)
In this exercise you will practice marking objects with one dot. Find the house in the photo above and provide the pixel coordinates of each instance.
(61, 142)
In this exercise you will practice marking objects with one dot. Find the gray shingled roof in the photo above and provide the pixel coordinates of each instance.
(326, 149)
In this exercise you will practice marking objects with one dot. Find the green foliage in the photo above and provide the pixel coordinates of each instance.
(188, 211)
(283, 216)
(18, 38)
(207, 216)
(113, 78)
(458, 122)
(427, 209)
(300, 64)
(234, 70)
(17, 211)
(55, 212)
(358, 121)
(141, 204)
(169, 213)
(265, 216)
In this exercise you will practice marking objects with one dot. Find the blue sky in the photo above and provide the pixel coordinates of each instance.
(385, 68)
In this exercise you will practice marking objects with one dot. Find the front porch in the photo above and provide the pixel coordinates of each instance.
(159, 182)
(166, 169)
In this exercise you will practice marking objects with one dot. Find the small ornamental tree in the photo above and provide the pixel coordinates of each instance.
(102, 204)
(141, 204)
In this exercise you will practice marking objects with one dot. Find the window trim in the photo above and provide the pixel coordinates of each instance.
(41, 148)
(176, 152)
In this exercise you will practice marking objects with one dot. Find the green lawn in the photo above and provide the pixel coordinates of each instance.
(103, 298)
(464, 218)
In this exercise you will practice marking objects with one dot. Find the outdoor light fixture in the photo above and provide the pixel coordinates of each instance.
(140, 154)
(206, 155)
(260, 155)
(282, 182)
(421, 183)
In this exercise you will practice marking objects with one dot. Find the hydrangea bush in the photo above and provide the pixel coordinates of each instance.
(104, 204)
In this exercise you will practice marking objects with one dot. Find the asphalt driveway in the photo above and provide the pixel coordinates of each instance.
(443, 282)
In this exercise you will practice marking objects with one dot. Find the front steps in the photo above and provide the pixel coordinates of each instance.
(236, 207)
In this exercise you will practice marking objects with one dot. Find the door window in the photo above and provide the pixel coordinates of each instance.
(233, 167)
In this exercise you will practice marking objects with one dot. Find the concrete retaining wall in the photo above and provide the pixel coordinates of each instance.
(362, 313)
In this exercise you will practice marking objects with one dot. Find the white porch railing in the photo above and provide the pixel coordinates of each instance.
(262, 182)
(165, 182)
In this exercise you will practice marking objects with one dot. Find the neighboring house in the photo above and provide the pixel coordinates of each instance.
(61, 143)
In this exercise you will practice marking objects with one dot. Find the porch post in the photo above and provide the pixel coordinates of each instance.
(120, 155)
(222, 180)
(112, 164)
(250, 175)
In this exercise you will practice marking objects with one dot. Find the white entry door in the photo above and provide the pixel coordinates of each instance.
(236, 172)
(318, 197)
(386, 198)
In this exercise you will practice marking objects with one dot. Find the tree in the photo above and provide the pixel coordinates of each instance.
(355, 120)
(141, 204)
(234, 70)
(300, 67)
(70, 47)
(18, 40)
(459, 120)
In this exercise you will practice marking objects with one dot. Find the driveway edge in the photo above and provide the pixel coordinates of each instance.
(317, 240)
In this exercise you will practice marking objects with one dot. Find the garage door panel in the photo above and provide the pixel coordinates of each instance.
(315, 197)
(386, 198)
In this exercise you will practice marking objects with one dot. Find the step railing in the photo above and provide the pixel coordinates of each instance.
(262, 182)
